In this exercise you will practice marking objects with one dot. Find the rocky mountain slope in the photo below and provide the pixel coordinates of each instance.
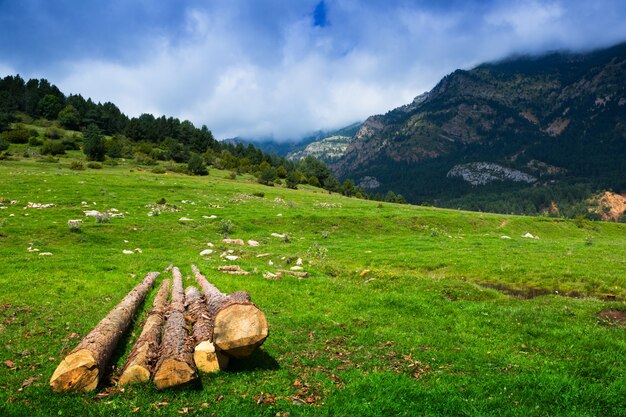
(547, 121)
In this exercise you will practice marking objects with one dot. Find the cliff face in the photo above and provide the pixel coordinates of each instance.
(563, 111)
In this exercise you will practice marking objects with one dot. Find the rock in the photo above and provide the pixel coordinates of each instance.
(185, 219)
(279, 235)
(364, 272)
(45, 254)
(505, 237)
(262, 255)
(206, 252)
(296, 268)
(253, 243)
(127, 252)
(481, 173)
(233, 241)
(209, 244)
(137, 250)
(92, 213)
(232, 257)
(529, 236)
(269, 275)
(299, 261)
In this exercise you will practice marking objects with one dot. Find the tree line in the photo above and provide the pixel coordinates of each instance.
(107, 133)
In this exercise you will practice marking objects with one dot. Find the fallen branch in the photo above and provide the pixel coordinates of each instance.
(85, 365)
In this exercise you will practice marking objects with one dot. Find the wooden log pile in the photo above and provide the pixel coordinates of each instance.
(192, 332)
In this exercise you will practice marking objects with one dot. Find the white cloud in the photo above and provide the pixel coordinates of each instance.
(283, 77)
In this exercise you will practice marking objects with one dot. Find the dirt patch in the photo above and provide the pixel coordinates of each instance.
(614, 316)
(528, 293)
(609, 206)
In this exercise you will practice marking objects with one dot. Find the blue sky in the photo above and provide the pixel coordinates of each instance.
(259, 68)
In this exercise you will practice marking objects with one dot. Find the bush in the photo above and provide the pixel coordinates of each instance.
(94, 165)
(77, 166)
(158, 170)
(35, 141)
(17, 135)
(258, 194)
(225, 227)
(53, 133)
(4, 145)
(196, 165)
(53, 147)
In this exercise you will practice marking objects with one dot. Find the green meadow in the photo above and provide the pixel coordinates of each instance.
(406, 311)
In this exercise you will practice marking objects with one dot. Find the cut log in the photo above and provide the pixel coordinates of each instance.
(238, 325)
(141, 360)
(83, 368)
(205, 355)
(175, 365)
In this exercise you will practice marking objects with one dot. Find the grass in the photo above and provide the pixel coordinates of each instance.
(420, 333)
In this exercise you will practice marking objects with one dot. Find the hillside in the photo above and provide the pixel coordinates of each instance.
(513, 136)
(407, 310)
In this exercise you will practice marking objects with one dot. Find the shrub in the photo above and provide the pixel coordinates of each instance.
(103, 218)
(232, 175)
(17, 135)
(74, 225)
(225, 227)
(258, 194)
(4, 145)
(158, 170)
(196, 165)
(94, 165)
(77, 166)
(52, 147)
(35, 141)
(53, 133)
(161, 200)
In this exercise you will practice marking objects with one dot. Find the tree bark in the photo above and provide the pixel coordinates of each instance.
(175, 365)
(141, 360)
(206, 356)
(85, 365)
(238, 325)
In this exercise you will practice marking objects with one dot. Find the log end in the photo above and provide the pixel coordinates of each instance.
(172, 373)
(207, 359)
(78, 371)
(239, 329)
(134, 374)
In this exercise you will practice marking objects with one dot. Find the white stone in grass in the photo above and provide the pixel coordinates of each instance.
(296, 268)
(253, 243)
(137, 250)
(530, 236)
(125, 241)
(279, 215)
(114, 210)
(270, 263)
(505, 237)
(232, 257)
(127, 252)
(185, 219)
(45, 254)
(206, 252)
(92, 213)
(209, 244)
(11, 215)
(299, 261)
(270, 275)
(279, 235)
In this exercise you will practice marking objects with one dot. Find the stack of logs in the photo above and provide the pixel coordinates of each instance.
(168, 350)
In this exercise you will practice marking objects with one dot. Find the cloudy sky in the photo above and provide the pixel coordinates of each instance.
(281, 68)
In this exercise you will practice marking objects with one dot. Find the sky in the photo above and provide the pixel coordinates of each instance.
(281, 68)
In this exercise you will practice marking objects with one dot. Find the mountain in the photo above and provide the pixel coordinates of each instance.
(327, 145)
(533, 130)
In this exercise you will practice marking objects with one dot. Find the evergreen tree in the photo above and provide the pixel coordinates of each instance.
(196, 165)
(93, 143)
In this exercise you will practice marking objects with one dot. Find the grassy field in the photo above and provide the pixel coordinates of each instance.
(407, 311)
